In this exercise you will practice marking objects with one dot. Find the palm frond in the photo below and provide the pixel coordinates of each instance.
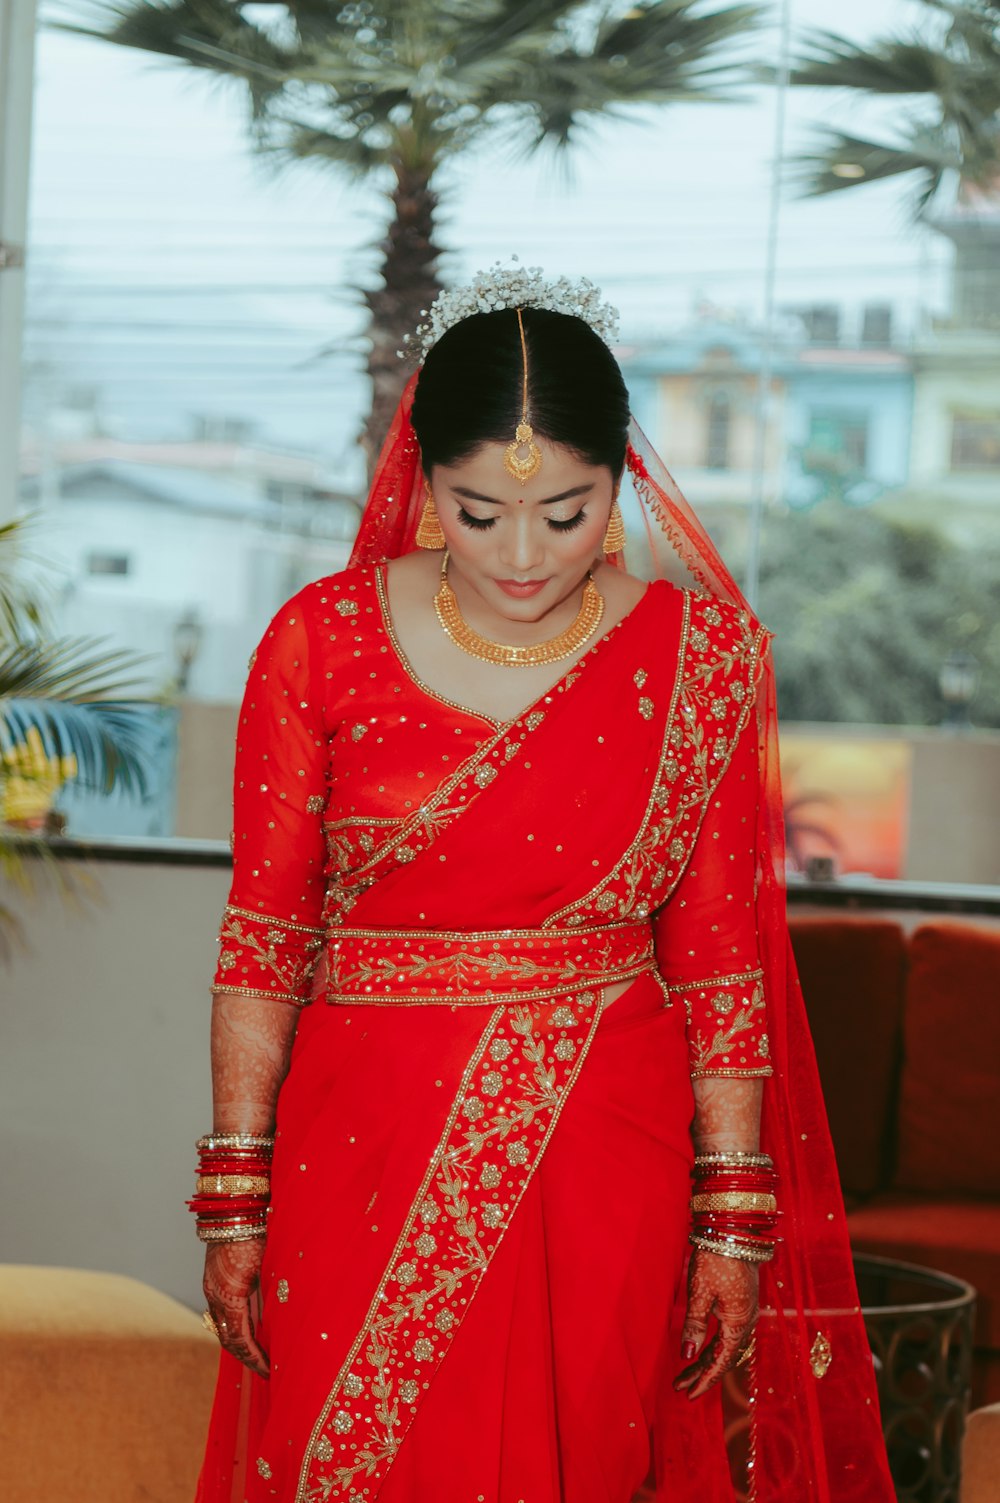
(892, 66)
(111, 742)
(210, 34)
(76, 694)
(69, 668)
(844, 161)
(21, 608)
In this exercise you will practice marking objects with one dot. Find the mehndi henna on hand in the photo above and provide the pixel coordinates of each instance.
(251, 1049)
(727, 1116)
(232, 1271)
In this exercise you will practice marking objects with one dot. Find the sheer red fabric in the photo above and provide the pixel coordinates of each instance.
(474, 1275)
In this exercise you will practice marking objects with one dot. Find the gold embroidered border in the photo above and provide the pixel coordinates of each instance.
(272, 920)
(704, 797)
(591, 897)
(704, 986)
(487, 998)
(406, 1334)
(221, 988)
(749, 1073)
(291, 965)
(724, 1037)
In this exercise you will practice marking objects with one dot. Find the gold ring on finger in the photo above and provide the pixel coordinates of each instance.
(747, 1352)
(209, 1323)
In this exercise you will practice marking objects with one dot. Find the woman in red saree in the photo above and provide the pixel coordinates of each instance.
(503, 951)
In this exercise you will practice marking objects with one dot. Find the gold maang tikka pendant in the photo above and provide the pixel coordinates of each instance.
(523, 458)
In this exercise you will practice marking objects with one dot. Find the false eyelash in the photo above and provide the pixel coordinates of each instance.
(568, 526)
(475, 524)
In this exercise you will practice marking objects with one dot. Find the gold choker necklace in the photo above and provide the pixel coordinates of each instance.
(569, 641)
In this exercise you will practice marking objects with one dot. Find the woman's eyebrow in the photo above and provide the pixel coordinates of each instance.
(467, 495)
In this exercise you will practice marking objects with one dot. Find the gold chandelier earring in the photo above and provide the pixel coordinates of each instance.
(429, 534)
(614, 538)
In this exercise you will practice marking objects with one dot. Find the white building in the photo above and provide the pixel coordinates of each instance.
(140, 550)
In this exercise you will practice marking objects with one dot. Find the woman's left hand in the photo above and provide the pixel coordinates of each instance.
(727, 1288)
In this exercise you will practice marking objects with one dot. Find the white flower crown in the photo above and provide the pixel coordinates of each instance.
(512, 287)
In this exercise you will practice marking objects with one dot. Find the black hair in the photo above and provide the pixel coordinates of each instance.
(471, 386)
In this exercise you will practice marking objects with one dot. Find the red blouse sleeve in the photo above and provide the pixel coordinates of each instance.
(706, 932)
(271, 933)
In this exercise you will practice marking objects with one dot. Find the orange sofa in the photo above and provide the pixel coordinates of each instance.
(907, 1033)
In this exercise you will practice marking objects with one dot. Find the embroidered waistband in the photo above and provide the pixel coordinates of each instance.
(413, 967)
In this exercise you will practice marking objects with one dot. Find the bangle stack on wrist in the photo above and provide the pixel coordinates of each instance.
(233, 1186)
(733, 1209)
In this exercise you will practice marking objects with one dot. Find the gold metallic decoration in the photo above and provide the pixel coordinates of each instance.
(523, 459)
(429, 534)
(454, 624)
(747, 1351)
(734, 1200)
(213, 1140)
(821, 1355)
(614, 538)
(208, 1322)
(233, 1184)
(231, 1233)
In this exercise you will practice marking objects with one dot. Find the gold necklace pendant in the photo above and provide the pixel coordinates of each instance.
(455, 626)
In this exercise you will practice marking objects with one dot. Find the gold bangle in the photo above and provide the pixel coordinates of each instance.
(233, 1184)
(734, 1200)
(734, 1158)
(231, 1233)
(742, 1252)
(213, 1140)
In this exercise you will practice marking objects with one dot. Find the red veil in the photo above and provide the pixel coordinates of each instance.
(802, 1418)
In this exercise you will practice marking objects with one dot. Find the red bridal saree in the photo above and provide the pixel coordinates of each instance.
(474, 1271)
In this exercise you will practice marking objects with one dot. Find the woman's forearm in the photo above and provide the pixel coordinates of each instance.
(251, 1048)
(727, 1113)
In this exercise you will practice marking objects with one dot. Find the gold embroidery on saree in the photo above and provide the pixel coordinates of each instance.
(421, 1298)
(703, 1050)
(453, 967)
(258, 945)
(694, 758)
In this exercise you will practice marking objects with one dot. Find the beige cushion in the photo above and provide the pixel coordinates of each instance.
(105, 1389)
(981, 1456)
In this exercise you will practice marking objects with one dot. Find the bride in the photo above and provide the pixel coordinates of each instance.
(519, 1163)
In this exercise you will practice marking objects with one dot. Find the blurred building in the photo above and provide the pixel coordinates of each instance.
(184, 552)
(955, 460)
(838, 418)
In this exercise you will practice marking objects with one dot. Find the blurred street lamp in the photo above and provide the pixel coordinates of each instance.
(958, 681)
(188, 637)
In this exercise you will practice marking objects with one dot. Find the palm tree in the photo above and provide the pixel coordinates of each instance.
(391, 89)
(75, 697)
(952, 70)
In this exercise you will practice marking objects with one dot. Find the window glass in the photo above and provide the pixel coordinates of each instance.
(194, 386)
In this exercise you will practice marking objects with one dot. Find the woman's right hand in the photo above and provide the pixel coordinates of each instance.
(232, 1273)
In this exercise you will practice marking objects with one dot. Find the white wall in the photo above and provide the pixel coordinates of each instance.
(104, 1080)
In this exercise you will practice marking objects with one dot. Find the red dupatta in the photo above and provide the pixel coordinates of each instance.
(802, 1417)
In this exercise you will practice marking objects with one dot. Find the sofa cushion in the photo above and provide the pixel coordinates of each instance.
(950, 1085)
(852, 979)
(960, 1237)
(105, 1389)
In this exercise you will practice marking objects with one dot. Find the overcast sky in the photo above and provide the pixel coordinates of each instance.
(179, 273)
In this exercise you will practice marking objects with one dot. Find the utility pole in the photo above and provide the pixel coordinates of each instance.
(764, 401)
(17, 72)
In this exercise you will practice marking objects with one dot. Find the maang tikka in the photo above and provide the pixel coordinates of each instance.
(522, 459)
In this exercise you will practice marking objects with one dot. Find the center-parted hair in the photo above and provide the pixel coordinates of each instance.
(470, 389)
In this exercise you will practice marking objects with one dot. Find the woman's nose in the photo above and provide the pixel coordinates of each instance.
(522, 548)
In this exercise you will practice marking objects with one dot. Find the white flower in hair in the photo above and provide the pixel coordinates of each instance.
(513, 287)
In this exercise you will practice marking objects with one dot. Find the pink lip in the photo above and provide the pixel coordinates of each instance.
(521, 591)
